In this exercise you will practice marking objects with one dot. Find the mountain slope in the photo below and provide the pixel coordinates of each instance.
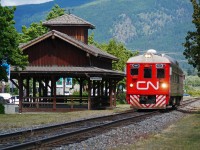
(141, 25)
(26, 14)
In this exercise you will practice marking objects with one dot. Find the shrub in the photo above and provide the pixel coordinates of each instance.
(76, 93)
(2, 109)
(121, 98)
(194, 92)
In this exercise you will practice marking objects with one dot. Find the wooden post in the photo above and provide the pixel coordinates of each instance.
(54, 91)
(64, 85)
(98, 88)
(93, 88)
(110, 93)
(34, 89)
(81, 89)
(27, 89)
(52, 86)
(89, 94)
(106, 88)
(40, 89)
(46, 87)
(114, 91)
(20, 82)
(102, 87)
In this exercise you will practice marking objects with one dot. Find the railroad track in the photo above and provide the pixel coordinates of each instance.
(189, 101)
(63, 134)
(185, 103)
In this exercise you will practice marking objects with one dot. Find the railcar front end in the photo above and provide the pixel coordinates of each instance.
(148, 85)
(148, 81)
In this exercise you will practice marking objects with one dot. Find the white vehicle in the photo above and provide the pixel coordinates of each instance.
(15, 99)
(68, 93)
(7, 97)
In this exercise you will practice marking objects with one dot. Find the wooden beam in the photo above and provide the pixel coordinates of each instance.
(14, 83)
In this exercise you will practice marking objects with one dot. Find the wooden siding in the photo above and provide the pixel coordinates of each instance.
(101, 62)
(80, 33)
(56, 52)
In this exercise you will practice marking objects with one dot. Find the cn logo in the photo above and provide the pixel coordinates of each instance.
(144, 85)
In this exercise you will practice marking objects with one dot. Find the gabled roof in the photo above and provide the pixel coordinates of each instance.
(68, 20)
(77, 43)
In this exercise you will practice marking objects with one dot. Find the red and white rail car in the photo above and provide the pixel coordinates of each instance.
(153, 81)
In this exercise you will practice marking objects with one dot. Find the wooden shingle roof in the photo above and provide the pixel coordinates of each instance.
(77, 43)
(68, 20)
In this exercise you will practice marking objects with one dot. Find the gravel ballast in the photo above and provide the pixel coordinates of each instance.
(128, 134)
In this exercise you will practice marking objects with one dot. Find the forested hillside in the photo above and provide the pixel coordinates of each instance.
(139, 24)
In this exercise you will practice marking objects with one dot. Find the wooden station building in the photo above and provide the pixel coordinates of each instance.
(61, 53)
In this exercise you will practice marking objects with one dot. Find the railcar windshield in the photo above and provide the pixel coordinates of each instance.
(147, 72)
(134, 71)
(160, 73)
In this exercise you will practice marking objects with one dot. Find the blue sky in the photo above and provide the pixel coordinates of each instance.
(21, 2)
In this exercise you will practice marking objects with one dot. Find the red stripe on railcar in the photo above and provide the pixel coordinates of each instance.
(160, 102)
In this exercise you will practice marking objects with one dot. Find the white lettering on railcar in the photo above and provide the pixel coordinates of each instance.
(144, 85)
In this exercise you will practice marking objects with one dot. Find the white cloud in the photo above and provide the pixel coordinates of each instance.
(21, 2)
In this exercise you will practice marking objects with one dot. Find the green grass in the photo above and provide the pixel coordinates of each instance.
(184, 135)
(9, 121)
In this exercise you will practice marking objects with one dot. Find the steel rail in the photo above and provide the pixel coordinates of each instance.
(50, 127)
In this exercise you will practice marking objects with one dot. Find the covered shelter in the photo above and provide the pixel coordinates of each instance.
(64, 52)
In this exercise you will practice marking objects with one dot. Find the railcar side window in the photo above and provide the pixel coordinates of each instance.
(160, 73)
(134, 71)
(147, 73)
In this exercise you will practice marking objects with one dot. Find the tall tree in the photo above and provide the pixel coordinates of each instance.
(37, 29)
(120, 51)
(56, 11)
(192, 44)
(9, 43)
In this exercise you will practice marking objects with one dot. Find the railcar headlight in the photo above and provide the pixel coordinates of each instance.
(131, 85)
(164, 85)
(147, 55)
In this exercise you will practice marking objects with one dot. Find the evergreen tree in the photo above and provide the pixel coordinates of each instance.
(56, 11)
(9, 51)
(192, 44)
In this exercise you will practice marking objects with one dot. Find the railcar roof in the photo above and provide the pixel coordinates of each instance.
(156, 58)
